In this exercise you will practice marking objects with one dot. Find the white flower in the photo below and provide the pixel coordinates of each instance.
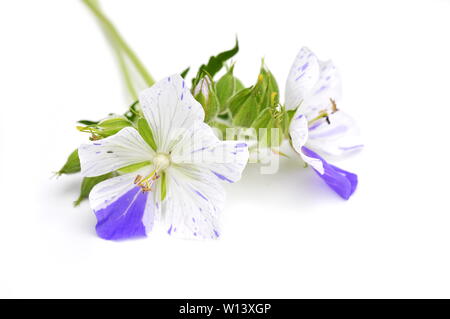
(177, 184)
(314, 87)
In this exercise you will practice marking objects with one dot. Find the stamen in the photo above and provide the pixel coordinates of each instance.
(137, 179)
(334, 108)
(146, 183)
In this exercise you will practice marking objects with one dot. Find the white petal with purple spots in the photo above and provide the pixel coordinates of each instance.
(225, 159)
(340, 136)
(193, 203)
(302, 77)
(125, 148)
(170, 109)
(298, 131)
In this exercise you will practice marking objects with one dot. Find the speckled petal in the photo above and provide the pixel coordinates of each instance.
(193, 203)
(125, 148)
(170, 109)
(302, 77)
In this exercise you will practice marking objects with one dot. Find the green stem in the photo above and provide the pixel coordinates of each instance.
(120, 57)
(115, 35)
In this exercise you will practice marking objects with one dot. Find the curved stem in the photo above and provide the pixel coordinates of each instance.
(115, 35)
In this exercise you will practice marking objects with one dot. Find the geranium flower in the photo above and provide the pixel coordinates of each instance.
(176, 182)
(318, 126)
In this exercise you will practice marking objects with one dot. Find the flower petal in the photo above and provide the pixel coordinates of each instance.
(125, 148)
(193, 202)
(326, 91)
(169, 109)
(342, 182)
(298, 131)
(338, 137)
(122, 209)
(225, 159)
(302, 77)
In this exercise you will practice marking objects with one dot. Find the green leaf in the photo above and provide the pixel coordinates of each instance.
(146, 133)
(87, 122)
(185, 72)
(163, 186)
(88, 183)
(215, 63)
(72, 164)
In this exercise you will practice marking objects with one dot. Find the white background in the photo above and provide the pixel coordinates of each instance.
(285, 235)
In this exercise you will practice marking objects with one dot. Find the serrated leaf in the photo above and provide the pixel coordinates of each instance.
(88, 184)
(215, 63)
(72, 164)
(146, 133)
(185, 72)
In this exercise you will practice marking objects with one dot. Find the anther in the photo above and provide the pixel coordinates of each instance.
(137, 179)
(334, 108)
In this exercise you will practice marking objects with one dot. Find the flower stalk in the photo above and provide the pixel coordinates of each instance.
(121, 47)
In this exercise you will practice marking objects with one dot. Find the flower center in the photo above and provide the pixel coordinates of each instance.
(161, 162)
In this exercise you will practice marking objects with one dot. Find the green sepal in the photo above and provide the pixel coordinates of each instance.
(267, 91)
(244, 107)
(146, 132)
(88, 184)
(227, 86)
(222, 127)
(163, 186)
(271, 118)
(133, 112)
(72, 164)
(133, 167)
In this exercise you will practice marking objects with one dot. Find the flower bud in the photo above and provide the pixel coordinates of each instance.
(204, 92)
(227, 86)
(106, 127)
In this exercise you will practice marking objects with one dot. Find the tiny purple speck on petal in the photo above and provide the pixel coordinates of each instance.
(224, 178)
(201, 195)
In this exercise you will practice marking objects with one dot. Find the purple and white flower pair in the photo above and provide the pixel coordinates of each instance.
(313, 87)
(177, 183)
